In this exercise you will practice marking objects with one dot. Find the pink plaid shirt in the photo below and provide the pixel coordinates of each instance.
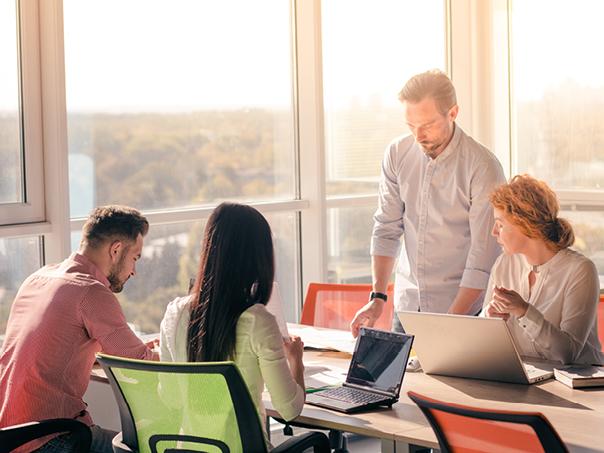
(62, 316)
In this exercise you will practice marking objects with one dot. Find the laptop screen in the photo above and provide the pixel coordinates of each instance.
(379, 360)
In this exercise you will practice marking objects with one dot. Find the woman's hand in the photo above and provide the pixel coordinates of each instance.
(506, 302)
(492, 312)
(294, 349)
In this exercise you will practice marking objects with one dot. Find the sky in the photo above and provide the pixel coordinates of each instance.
(179, 55)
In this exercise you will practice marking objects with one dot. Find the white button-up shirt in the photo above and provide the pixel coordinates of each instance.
(442, 207)
(561, 322)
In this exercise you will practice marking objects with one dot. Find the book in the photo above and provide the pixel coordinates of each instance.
(579, 376)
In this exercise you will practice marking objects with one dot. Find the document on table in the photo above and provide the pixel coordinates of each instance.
(320, 377)
(329, 339)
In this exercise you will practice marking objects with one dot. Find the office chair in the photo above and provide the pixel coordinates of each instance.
(333, 305)
(190, 407)
(464, 429)
(15, 436)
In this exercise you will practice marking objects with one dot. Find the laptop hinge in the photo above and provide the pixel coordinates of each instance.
(368, 389)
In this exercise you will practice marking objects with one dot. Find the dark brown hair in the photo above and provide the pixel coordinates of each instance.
(111, 223)
(236, 271)
(533, 207)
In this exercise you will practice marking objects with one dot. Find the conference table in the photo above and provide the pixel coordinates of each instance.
(577, 415)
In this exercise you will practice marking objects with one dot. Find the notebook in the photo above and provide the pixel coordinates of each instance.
(375, 374)
(470, 347)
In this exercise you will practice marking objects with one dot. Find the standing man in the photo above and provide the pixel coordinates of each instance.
(62, 316)
(434, 188)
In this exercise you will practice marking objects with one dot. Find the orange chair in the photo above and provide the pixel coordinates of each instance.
(464, 429)
(601, 321)
(334, 305)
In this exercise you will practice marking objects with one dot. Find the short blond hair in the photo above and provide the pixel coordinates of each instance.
(533, 207)
(433, 84)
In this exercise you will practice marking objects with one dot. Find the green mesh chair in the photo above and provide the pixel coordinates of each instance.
(189, 407)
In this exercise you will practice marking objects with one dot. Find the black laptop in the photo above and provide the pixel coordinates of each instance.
(375, 374)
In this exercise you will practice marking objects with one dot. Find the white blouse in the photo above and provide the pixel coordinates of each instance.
(560, 323)
(259, 354)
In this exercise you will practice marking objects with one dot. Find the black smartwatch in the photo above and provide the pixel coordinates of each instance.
(376, 295)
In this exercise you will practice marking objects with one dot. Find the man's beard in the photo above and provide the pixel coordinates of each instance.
(431, 151)
(115, 284)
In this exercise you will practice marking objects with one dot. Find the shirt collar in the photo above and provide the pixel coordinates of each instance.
(89, 267)
(542, 267)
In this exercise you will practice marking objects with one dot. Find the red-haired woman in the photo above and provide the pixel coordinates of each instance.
(547, 292)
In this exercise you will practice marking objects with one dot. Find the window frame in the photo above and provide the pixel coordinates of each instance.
(480, 73)
(31, 208)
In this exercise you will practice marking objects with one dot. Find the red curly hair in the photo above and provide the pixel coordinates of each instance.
(532, 206)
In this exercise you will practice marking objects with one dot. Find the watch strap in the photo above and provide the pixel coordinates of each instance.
(376, 295)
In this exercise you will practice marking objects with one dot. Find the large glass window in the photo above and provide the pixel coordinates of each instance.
(170, 259)
(19, 257)
(589, 236)
(349, 239)
(11, 174)
(558, 92)
(174, 104)
(370, 49)
(558, 96)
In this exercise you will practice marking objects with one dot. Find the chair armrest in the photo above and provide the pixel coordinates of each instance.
(119, 446)
(318, 441)
(15, 436)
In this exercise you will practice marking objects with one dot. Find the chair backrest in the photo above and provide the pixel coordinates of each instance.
(465, 429)
(183, 406)
(334, 305)
(12, 437)
(601, 321)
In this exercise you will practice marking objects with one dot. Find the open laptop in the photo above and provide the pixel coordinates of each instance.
(375, 374)
(470, 347)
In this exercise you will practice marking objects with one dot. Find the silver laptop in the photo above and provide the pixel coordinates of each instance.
(470, 347)
(375, 374)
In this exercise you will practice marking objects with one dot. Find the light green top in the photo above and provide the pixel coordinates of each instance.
(259, 354)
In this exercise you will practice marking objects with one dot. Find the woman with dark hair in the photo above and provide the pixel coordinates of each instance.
(547, 292)
(225, 317)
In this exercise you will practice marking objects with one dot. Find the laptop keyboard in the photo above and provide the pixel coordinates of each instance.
(351, 395)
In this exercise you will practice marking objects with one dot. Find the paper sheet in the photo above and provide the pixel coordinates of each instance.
(315, 337)
(275, 307)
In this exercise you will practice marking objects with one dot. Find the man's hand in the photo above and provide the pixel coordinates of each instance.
(153, 344)
(367, 316)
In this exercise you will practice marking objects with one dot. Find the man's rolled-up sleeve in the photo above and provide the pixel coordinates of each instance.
(484, 249)
(105, 322)
(388, 218)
